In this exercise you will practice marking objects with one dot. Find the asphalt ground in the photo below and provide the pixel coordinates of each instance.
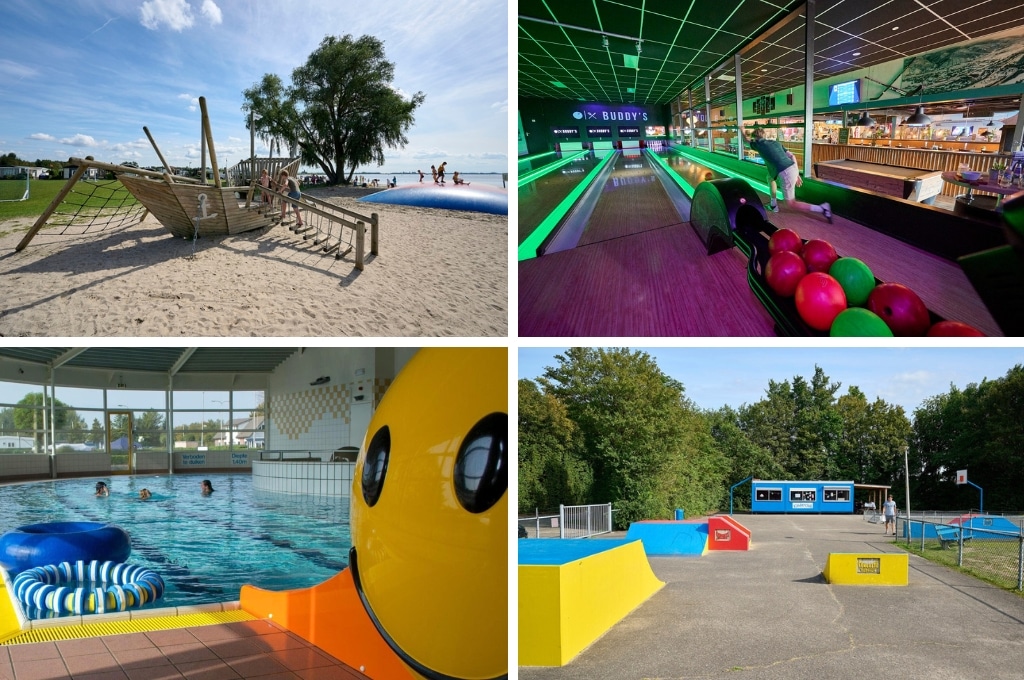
(768, 613)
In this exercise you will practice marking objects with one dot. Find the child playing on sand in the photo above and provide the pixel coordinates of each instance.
(288, 185)
(457, 179)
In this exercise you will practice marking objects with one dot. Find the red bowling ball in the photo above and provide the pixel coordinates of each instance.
(785, 239)
(783, 272)
(819, 255)
(954, 329)
(819, 299)
(900, 308)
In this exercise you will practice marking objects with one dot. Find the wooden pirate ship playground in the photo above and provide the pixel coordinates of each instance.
(191, 208)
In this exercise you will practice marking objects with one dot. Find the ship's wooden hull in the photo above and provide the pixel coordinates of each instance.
(176, 206)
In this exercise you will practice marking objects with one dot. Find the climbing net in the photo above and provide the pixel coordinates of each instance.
(93, 205)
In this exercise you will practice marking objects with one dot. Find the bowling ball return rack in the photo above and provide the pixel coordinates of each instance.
(728, 212)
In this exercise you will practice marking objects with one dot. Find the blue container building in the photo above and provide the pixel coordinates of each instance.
(801, 497)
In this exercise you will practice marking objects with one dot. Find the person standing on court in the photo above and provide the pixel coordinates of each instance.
(889, 512)
(782, 169)
(440, 172)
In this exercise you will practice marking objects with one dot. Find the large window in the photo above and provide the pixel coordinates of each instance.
(218, 420)
(213, 419)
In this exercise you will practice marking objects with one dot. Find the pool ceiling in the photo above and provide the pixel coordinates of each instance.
(174, 360)
(578, 49)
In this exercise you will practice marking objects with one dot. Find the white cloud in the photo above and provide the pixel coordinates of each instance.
(501, 106)
(193, 102)
(42, 136)
(177, 14)
(211, 12)
(13, 68)
(81, 140)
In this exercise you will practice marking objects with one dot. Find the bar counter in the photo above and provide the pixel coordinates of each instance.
(924, 159)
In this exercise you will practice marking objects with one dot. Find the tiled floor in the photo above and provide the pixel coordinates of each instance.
(249, 649)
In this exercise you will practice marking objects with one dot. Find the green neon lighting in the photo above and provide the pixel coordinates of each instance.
(536, 156)
(540, 172)
(528, 248)
(630, 60)
(731, 173)
(558, 84)
(683, 184)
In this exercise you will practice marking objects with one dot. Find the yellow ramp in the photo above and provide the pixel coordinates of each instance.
(867, 569)
(563, 608)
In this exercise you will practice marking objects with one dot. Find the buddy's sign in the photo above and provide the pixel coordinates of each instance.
(603, 113)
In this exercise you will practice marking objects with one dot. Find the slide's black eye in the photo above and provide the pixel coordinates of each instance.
(481, 468)
(375, 467)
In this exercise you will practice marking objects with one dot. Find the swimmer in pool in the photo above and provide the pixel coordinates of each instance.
(145, 495)
(207, 487)
(101, 489)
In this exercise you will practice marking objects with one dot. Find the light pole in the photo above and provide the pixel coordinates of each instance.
(219, 401)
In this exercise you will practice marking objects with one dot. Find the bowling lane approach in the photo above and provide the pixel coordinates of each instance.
(627, 198)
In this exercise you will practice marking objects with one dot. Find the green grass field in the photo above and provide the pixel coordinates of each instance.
(42, 191)
(994, 562)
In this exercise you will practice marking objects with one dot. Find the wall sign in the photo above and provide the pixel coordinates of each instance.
(566, 132)
(764, 105)
(599, 132)
(608, 113)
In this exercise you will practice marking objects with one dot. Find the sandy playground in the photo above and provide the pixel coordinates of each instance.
(438, 273)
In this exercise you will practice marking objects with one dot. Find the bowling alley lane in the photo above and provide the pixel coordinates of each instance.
(541, 196)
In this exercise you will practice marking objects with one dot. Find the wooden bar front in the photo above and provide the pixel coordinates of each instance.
(925, 159)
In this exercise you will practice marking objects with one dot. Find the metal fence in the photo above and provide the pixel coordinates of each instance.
(572, 521)
(993, 554)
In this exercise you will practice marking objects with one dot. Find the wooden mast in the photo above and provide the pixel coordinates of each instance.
(167, 166)
(209, 142)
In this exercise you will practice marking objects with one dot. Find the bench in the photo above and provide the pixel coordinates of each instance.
(948, 535)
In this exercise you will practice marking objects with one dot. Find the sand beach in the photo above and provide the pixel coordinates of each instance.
(438, 273)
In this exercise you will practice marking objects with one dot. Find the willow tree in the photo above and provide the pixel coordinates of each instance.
(341, 109)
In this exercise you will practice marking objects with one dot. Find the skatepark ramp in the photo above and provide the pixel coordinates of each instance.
(572, 591)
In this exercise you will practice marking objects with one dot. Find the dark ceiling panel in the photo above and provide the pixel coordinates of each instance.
(682, 40)
(161, 359)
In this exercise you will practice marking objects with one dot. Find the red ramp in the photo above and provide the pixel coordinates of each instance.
(725, 533)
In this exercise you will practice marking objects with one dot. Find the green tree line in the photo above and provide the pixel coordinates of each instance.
(607, 425)
(26, 419)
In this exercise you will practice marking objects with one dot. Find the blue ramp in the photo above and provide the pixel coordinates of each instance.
(670, 538)
(562, 551)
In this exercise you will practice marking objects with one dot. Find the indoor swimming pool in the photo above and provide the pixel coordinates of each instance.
(204, 547)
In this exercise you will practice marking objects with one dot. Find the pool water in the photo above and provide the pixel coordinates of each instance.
(204, 547)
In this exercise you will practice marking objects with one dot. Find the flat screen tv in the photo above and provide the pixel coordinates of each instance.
(844, 93)
(571, 132)
(629, 131)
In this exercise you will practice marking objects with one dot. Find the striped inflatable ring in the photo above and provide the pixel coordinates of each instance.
(117, 587)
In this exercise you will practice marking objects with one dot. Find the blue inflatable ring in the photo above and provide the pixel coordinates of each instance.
(34, 545)
(116, 587)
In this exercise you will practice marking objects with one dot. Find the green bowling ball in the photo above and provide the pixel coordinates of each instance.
(857, 322)
(855, 278)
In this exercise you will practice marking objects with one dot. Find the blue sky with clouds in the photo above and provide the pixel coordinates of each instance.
(715, 377)
(82, 78)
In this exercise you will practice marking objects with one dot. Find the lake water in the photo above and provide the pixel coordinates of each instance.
(488, 179)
